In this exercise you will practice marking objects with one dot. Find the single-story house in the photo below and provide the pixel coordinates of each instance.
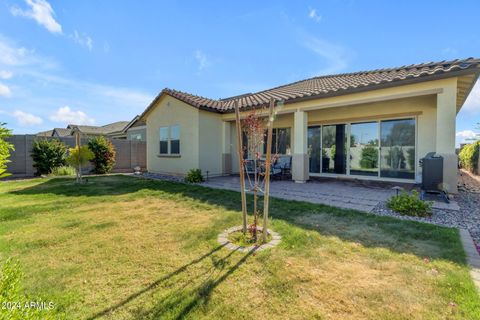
(368, 125)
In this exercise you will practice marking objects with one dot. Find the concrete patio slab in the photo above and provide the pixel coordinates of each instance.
(335, 193)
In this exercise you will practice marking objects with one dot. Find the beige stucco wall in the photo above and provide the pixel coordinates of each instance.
(210, 143)
(170, 111)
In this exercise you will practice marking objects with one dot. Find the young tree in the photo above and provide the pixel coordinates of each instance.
(254, 127)
(78, 157)
(5, 148)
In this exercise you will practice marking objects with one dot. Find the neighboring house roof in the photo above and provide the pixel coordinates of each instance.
(111, 128)
(331, 85)
(47, 133)
(62, 132)
(135, 122)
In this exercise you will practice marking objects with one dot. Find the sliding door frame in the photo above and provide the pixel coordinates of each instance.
(348, 133)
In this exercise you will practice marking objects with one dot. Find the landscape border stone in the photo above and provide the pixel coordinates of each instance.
(223, 240)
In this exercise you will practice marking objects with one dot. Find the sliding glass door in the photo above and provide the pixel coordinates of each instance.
(397, 158)
(334, 153)
(384, 149)
(314, 148)
(364, 149)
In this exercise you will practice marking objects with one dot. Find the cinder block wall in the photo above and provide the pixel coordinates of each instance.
(129, 154)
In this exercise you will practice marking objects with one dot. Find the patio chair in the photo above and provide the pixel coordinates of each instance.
(284, 164)
(250, 166)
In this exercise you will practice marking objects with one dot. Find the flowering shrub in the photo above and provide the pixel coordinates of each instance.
(104, 154)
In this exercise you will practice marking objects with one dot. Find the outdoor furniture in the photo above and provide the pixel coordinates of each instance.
(284, 164)
(250, 168)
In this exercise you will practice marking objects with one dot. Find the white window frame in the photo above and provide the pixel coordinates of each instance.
(168, 139)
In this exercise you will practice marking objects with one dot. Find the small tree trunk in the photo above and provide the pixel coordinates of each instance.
(268, 160)
(241, 167)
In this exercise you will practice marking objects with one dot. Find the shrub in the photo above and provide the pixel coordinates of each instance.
(64, 171)
(468, 157)
(104, 154)
(13, 297)
(5, 148)
(194, 176)
(48, 154)
(369, 157)
(410, 205)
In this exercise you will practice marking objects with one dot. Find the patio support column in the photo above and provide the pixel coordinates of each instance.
(300, 157)
(226, 148)
(445, 135)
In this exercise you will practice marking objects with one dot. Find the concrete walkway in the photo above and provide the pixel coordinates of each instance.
(333, 193)
(337, 193)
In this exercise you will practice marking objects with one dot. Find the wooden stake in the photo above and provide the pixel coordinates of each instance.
(268, 161)
(241, 166)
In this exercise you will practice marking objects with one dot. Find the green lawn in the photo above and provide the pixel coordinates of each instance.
(125, 248)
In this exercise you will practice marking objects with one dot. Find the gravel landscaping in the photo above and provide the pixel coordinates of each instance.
(468, 217)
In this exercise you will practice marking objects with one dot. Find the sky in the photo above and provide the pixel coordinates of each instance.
(88, 62)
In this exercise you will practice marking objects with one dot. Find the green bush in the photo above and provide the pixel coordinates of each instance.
(15, 300)
(63, 171)
(369, 157)
(48, 154)
(5, 148)
(410, 205)
(194, 176)
(468, 157)
(104, 154)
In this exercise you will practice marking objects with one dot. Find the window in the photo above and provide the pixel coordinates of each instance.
(170, 140)
(164, 140)
(135, 136)
(175, 139)
(280, 141)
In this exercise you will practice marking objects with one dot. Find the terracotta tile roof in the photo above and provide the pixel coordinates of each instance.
(330, 85)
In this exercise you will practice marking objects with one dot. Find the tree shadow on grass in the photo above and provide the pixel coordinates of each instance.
(421, 239)
(181, 301)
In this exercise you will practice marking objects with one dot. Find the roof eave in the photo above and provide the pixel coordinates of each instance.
(385, 85)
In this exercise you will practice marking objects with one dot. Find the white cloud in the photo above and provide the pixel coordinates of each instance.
(5, 74)
(4, 91)
(82, 39)
(68, 116)
(202, 60)
(465, 136)
(11, 56)
(41, 11)
(472, 104)
(26, 119)
(312, 14)
(336, 57)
